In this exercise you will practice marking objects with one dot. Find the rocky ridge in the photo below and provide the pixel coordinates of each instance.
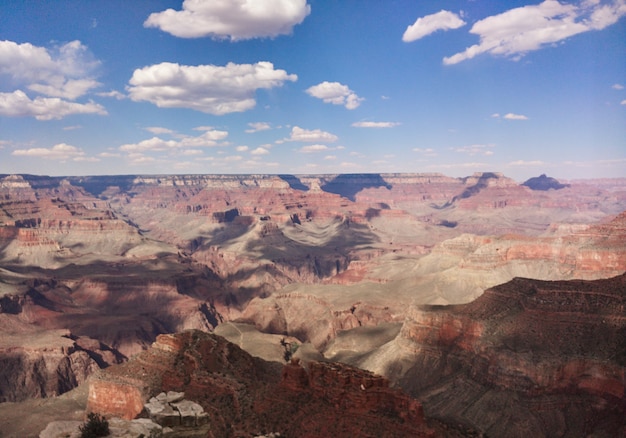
(122, 259)
(245, 396)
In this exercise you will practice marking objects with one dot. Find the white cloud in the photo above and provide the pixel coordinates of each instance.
(375, 124)
(18, 104)
(330, 157)
(63, 71)
(207, 88)
(258, 126)
(335, 93)
(523, 163)
(113, 93)
(442, 20)
(72, 128)
(428, 152)
(512, 116)
(231, 19)
(314, 148)
(156, 130)
(156, 144)
(476, 149)
(241, 148)
(617, 87)
(520, 30)
(109, 155)
(259, 151)
(623, 102)
(312, 136)
(59, 151)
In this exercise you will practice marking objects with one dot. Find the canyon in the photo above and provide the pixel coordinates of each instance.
(505, 294)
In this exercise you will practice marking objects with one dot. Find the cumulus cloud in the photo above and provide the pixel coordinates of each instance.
(335, 93)
(231, 19)
(258, 126)
(617, 87)
(314, 148)
(18, 104)
(64, 71)
(61, 152)
(311, 136)
(241, 148)
(375, 124)
(156, 144)
(442, 20)
(259, 151)
(210, 89)
(520, 30)
(623, 102)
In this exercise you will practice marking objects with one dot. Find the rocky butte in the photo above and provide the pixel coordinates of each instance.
(372, 270)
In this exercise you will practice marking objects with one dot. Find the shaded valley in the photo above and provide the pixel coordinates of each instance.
(476, 289)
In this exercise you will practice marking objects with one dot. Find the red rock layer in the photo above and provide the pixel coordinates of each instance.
(549, 346)
(245, 395)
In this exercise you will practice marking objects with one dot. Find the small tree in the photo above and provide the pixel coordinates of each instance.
(289, 349)
(95, 426)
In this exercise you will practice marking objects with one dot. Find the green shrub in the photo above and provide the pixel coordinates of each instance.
(95, 426)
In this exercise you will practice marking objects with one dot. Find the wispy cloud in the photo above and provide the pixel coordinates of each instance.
(476, 149)
(59, 152)
(234, 20)
(375, 124)
(155, 144)
(258, 126)
(520, 30)
(510, 116)
(442, 20)
(314, 148)
(617, 87)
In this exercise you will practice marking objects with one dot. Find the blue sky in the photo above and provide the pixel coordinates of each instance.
(313, 86)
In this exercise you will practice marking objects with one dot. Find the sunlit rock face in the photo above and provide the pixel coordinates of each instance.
(237, 391)
(334, 262)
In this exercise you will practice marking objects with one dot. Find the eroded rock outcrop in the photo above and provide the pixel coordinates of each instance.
(43, 364)
(553, 354)
(244, 395)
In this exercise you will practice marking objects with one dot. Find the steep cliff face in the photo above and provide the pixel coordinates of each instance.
(244, 395)
(45, 364)
(551, 354)
(122, 259)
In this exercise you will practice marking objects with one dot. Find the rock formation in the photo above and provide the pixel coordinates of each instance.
(550, 355)
(122, 259)
(243, 395)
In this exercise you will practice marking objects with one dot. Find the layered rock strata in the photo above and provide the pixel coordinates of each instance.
(244, 395)
(552, 355)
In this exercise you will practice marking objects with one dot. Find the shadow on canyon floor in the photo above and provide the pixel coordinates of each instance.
(348, 185)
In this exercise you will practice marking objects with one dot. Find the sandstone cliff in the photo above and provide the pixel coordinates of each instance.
(550, 355)
(244, 395)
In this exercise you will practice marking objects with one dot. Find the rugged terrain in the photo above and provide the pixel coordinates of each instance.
(97, 267)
